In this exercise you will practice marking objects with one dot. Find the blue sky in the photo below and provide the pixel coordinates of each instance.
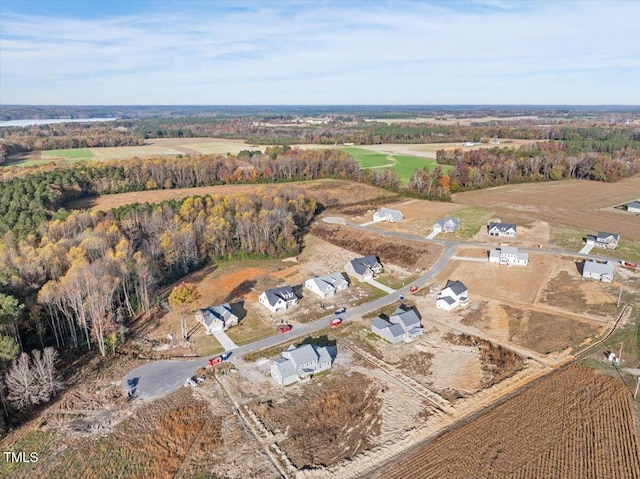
(319, 52)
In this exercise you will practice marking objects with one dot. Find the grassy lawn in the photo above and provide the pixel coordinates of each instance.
(627, 250)
(250, 329)
(472, 219)
(392, 281)
(68, 154)
(403, 165)
(566, 237)
(206, 345)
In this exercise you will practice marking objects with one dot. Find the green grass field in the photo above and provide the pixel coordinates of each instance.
(68, 154)
(472, 219)
(402, 165)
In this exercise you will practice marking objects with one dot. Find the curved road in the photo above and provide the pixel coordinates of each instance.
(163, 377)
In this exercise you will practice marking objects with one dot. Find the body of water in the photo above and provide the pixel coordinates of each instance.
(9, 123)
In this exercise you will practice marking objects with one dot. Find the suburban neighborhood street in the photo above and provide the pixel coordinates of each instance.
(159, 378)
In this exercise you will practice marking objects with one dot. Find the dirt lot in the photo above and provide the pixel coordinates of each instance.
(407, 254)
(533, 233)
(326, 192)
(563, 202)
(564, 430)
(340, 419)
(565, 290)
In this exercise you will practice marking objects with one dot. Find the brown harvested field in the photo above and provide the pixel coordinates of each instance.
(571, 424)
(407, 254)
(327, 192)
(329, 421)
(582, 204)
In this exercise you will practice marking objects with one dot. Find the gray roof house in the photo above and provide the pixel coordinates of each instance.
(387, 214)
(299, 364)
(278, 299)
(217, 318)
(327, 285)
(403, 325)
(634, 207)
(502, 229)
(448, 224)
(452, 295)
(607, 240)
(600, 271)
(508, 256)
(363, 268)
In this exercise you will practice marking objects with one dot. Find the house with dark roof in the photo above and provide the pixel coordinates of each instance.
(598, 271)
(217, 318)
(607, 240)
(388, 214)
(328, 285)
(403, 325)
(448, 224)
(299, 364)
(452, 295)
(363, 268)
(278, 299)
(502, 229)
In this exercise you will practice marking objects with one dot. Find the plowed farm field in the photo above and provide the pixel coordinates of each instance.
(586, 205)
(572, 424)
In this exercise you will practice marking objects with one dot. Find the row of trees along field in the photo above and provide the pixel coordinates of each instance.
(543, 161)
(28, 196)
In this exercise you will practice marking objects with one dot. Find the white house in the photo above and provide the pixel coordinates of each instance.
(300, 364)
(217, 318)
(448, 224)
(452, 295)
(502, 229)
(278, 299)
(328, 285)
(508, 256)
(607, 240)
(600, 271)
(403, 325)
(387, 214)
(363, 268)
(634, 207)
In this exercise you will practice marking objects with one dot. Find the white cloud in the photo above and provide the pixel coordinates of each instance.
(269, 53)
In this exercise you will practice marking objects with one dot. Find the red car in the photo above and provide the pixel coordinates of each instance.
(336, 322)
(284, 328)
(413, 289)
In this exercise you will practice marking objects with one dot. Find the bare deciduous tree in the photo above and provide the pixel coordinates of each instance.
(21, 383)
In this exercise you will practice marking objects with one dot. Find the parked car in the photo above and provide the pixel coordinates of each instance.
(284, 328)
(340, 311)
(190, 382)
(336, 322)
(413, 289)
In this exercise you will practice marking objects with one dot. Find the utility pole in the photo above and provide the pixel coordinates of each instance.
(619, 297)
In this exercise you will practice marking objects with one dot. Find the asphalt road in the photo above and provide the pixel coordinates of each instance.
(159, 378)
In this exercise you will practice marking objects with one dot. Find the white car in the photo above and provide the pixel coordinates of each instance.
(190, 382)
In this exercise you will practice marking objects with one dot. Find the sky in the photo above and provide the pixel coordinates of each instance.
(294, 52)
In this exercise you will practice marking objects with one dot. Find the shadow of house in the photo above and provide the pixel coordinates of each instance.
(239, 310)
(322, 341)
(243, 288)
(580, 267)
(297, 289)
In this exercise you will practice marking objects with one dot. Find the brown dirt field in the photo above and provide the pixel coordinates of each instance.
(569, 292)
(490, 280)
(578, 203)
(326, 192)
(547, 333)
(329, 421)
(571, 424)
(406, 254)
